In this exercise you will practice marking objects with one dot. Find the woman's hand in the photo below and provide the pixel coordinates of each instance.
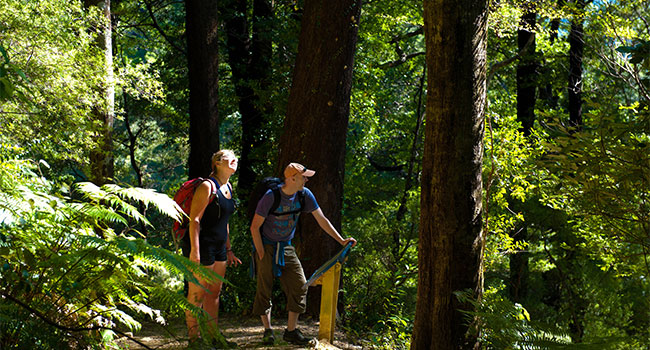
(195, 256)
(232, 259)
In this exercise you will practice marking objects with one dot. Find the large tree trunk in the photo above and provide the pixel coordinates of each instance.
(577, 301)
(576, 49)
(203, 62)
(317, 119)
(451, 236)
(547, 94)
(250, 61)
(526, 98)
(101, 156)
(526, 72)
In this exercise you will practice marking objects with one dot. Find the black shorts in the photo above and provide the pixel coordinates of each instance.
(210, 251)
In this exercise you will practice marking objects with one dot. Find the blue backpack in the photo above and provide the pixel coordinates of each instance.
(273, 184)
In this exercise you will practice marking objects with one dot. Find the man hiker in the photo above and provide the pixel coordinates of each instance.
(276, 257)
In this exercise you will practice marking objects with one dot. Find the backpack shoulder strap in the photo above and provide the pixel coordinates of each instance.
(214, 189)
(301, 199)
(276, 200)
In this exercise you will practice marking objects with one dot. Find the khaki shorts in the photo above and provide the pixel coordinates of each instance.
(292, 281)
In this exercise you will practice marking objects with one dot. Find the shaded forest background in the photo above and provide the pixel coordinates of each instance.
(108, 107)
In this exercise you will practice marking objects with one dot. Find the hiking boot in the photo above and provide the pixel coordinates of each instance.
(269, 337)
(295, 337)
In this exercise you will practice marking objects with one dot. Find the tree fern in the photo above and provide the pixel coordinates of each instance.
(69, 278)
(506, 325)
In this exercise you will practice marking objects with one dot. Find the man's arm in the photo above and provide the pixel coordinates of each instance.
(258, 220)
(327, 226)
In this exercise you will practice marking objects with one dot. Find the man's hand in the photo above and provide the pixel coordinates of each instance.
(348, 240)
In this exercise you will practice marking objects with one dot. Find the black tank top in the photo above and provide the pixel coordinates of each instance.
(214, 222)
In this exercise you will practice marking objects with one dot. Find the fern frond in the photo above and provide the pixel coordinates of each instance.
(89, 191)
(507, 325)
(98, 213)
(176, 263)
(155, 315)
(148, 197)
(9, 206)
(107, 316)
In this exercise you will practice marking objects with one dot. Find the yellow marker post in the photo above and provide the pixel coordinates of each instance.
(329, 298)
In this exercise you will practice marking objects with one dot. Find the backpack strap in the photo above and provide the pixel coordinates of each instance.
(214, 188)
(301, 199)
(276, 200)
(214, 192)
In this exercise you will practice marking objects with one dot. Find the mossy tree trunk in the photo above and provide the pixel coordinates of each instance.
(249, 57)
(451, 237)
(101, 156)
(316, 124)
(201, 29)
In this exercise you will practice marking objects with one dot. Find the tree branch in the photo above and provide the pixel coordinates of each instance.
(159, 29)
(381, 167)
(397, 38)
(499, 65)
(69, 329)
(402, 59)
(400, 53)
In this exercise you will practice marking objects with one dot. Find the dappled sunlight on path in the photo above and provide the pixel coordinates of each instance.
(246, 331)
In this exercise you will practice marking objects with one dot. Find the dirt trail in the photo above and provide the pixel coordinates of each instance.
(245, 331)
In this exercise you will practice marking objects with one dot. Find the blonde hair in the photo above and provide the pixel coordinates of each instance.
(218, 156)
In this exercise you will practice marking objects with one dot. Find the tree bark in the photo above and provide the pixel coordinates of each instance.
(546, 93)
(316, 124)
(451, 237)
(250, 61)
(576, 50)
(526, 72)
(526, 99)
(101, 156)
(203, 61)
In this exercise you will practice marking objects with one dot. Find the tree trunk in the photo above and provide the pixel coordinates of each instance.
(451, 236)
(526, 98)
(546, 93)
(315, 128)
(526, 73)
(203, 62)
(576, 49)
(250, 61)
(101, 156)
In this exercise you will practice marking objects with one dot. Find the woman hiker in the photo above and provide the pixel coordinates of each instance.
(208, 243)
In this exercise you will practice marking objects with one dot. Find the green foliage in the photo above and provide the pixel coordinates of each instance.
(69, 280)
(639, 53)
(387, 102)
(507, 325)
(12, 79)
(581, 196)
(57, 55)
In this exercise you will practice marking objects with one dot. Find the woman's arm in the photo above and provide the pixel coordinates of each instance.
(230, 255)
(199, 203)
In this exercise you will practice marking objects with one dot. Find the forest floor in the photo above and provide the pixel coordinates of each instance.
(246, 331)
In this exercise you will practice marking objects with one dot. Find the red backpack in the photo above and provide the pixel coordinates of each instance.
(183, 198)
